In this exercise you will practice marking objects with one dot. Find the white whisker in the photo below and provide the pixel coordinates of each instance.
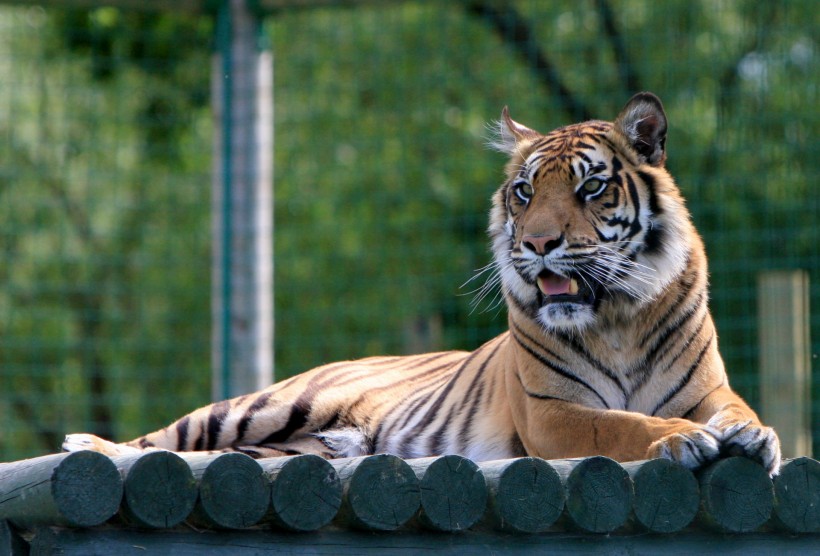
(490, 286)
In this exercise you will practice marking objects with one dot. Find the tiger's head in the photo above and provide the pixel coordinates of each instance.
(588, 225)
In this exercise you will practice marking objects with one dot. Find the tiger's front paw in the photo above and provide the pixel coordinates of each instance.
(749, 440)
(82, 441)
(693, 448)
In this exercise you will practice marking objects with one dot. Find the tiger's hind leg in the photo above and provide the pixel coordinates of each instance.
(82, 441)
(298, 416)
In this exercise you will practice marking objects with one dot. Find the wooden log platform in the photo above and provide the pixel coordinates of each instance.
(666, 495)
(737, 495)
(306, 492)
(160, 490)
(380, 493)
(598, 491)
(453, 493)
(525, 495)
(68, 503)
(333, 542)
(797, 496)
(80, 489)
(234, 491)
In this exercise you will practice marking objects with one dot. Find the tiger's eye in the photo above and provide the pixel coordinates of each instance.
(523, 191)
(593, 186)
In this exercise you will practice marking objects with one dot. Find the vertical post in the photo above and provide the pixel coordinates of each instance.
(242, 275)
(785, 364)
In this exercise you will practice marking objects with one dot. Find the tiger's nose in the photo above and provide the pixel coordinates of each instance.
(542, 244)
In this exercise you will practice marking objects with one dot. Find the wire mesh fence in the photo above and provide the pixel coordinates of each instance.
(382, 181)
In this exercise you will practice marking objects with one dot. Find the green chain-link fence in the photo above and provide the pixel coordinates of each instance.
(382, 181)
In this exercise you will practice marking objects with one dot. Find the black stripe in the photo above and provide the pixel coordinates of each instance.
(518, 330)
(437, 437)
(532, 164)
(182, 432)
(258, 404)
(683, 294)
(200, 440)
(686, 378)
(649, 180)
(573, 343)
(408, 410)
(686, 344)
(296, 420)
(476, 398)
(617, 166)
(536, 395)
(527, 310)
(559, 370)
(600, 167)
(675, 327)
(425, 360)
(648, 366)
(690, 412)
(432, 412)
(302, 406)
(654, 354)
(636, 200)
(218, 413)
(654, 239)
(420, 397)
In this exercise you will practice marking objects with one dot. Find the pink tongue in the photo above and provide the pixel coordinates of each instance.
(552, 284)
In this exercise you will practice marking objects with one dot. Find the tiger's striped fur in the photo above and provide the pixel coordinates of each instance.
(611, 348)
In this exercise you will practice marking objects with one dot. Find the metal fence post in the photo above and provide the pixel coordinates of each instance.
(242, 309)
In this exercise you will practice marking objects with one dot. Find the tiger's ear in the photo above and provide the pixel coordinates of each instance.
(510, 134)
(643, 122)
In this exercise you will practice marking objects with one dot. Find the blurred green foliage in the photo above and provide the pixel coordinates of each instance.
(382, 181)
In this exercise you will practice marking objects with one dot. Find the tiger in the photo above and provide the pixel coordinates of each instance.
(610, 347)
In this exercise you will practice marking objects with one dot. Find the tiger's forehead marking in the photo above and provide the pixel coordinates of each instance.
(561, 149)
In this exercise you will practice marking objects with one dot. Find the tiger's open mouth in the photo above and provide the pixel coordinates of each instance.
(555, 288)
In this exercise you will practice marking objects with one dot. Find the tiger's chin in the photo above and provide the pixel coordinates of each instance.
(565, 303)
(567, 316)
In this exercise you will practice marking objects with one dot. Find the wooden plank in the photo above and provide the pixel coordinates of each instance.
(80, 489)
(667, 496)
(453, 492)
(525, 495)
(234, 491)
(599, 493)
(785, 360)
(797, 496)
(737, 496)
(306, 492)
(379, 493)
(160, 490)
(181, 542)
